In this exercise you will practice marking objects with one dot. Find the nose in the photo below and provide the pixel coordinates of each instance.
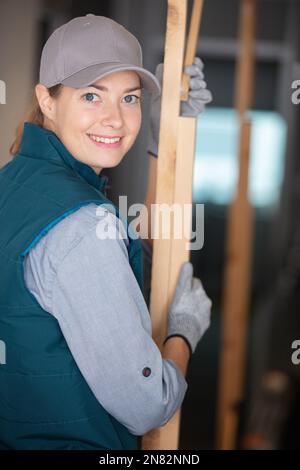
(112, 116)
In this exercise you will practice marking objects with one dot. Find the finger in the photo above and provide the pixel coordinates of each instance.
(193, 70)
(203, 298)
(196, 83)
(198, 62)
(201, 83)
(196, 106)
(202, 95)
(191, 108)
(197, 284)
(198, 287)
(185, 277)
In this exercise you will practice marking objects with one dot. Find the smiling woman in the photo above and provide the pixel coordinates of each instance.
(82, 369)
(83, 327)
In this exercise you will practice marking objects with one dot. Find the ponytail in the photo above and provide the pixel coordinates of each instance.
(34, 115)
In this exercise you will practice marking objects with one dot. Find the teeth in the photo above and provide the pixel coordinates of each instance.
(104, 140)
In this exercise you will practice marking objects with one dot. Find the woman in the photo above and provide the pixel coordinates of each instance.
(82, 370)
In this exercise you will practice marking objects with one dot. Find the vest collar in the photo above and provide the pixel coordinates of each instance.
(38, 142)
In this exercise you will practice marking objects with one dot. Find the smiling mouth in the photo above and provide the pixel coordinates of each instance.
(105, 142)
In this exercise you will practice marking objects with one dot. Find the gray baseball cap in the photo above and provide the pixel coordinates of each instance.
(89, 47)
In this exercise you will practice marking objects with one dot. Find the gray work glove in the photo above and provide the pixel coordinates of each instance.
(198, 97)
(189, 314)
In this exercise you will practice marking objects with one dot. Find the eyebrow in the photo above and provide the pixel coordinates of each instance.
(103, 88)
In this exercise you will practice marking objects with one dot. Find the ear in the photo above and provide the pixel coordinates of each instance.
(46, 102)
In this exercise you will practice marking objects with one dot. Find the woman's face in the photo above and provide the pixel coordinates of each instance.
(110, 109)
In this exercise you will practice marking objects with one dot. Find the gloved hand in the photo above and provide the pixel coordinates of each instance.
(197, 98)
(189, 314)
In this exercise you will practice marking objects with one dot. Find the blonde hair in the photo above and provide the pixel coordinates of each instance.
(34, 115)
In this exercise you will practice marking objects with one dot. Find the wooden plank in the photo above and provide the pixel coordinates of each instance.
(183, 194)
(174, 185)
(244, 80)
(235, 302)
(167, 437)
(238, 250)
(191, 45)
(166, 164)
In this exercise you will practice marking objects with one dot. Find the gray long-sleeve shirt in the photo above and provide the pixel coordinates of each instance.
(83, 278)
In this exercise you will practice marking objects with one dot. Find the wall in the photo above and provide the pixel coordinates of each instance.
(18, 42)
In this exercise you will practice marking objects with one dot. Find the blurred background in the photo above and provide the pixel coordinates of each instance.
(270, 409)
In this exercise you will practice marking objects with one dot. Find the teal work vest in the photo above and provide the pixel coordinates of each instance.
(45, 402)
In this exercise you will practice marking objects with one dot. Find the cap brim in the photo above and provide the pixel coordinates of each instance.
(89, 75)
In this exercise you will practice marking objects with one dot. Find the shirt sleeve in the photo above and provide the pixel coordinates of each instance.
(103, 316)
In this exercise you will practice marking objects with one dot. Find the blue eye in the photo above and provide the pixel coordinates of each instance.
(130, 101)
(89, 96)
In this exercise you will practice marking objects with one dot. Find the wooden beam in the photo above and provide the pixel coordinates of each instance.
(238, 250)
(174, 185)
(166, 163)
(244, 80)
(235, 303)
(191, 45)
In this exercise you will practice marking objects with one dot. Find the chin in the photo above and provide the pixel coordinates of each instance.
(110, 165)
